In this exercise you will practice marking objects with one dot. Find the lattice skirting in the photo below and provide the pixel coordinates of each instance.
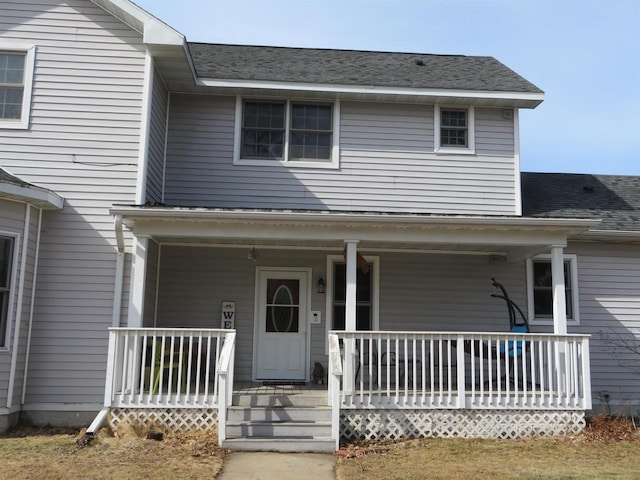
(176, 420)
(394, 424)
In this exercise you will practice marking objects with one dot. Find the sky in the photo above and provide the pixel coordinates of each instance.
(584, 54)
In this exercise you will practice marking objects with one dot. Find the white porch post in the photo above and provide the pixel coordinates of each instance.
(559, 299)
(136, 302)
(350, 314)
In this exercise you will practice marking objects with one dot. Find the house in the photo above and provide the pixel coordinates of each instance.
(182, 222)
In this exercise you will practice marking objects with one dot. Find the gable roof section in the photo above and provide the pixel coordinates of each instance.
(13, 188)
(615, 199)
(217, 63)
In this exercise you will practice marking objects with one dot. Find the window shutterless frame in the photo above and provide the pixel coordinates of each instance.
(454, 130)
(540, 292)
(308, 135)
(8, 267)
(16, 83)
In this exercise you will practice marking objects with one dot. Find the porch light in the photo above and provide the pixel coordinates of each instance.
(321, 285)
(253, 253)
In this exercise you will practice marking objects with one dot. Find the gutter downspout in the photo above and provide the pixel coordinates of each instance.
(18, 321)
(102, 415)
(31, 308)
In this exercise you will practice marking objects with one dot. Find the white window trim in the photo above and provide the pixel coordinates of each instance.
(573, 272)
(12, 289)
(375, 304)
(471, 130)
(7, 45)
(333, 163)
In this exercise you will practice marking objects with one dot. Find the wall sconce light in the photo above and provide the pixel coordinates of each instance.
(253, 253)
(321, 285)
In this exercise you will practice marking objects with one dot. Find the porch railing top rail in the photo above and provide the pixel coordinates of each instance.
(169, 329)
(394, 333)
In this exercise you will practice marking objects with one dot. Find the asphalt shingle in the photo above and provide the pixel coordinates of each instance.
(615, 199)
(355, 68)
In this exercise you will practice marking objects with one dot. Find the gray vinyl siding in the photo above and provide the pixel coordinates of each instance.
(387, 163)
(609, 282)
(157, 137)
(83, 144)
(11, 222)
(495, 132)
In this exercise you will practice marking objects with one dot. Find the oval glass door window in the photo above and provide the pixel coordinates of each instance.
(282, 306)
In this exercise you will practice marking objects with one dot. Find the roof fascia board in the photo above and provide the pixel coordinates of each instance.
(154, 30)
(534, 97)
(182, 214)
(38, 196)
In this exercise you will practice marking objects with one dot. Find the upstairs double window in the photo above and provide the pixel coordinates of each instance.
(297, 132)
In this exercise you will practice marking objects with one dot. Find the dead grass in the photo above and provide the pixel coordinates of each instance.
(609, 448)
(51, 454)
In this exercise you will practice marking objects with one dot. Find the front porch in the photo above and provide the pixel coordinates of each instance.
(380, 384)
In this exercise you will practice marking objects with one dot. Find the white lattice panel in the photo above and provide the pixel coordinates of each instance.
(376, 424)
(175, 420)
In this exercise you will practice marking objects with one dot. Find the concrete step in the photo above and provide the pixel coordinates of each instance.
(236, 414)
(280, 430)
(315, 445)
(285, 400)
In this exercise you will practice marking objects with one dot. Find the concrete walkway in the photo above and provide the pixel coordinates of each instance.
(279, 466)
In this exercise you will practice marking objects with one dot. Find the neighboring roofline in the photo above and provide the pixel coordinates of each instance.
(610, 235)
(38, 196)
(530, 99)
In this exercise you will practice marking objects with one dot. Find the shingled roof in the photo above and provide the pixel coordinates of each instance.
(615, 199)
(354, 67)
(6, 177)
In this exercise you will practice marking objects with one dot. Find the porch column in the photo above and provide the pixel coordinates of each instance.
(350, 314)
(139, 267)
(559, 299)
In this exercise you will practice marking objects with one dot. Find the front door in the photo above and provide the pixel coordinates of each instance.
(281, 324)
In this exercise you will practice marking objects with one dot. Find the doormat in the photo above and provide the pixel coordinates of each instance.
(281, 383)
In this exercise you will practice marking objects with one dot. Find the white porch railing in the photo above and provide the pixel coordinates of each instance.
(169, 368)
(464, 370)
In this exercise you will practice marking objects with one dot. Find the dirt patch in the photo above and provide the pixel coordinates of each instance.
(53, 453)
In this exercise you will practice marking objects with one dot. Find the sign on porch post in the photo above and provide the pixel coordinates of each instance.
(228, 317)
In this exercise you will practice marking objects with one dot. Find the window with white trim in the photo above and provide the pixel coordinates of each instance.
(540, 289)
(454, 129)
(299, 133)
(367, 293)
(6, 264)
(16, 72)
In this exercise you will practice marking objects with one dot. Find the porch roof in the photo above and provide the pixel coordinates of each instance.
(513, 237)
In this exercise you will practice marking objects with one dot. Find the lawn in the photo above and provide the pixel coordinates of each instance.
(603, 451)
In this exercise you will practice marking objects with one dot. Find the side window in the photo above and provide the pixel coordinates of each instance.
(540, 288)
(364, 297)
(6, 263)
(16, 74)
(454, 130)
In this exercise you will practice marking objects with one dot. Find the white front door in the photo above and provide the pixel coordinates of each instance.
(281, 324)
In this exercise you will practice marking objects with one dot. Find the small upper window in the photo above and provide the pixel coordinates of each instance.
(302, 133)
(454, 130)
(6, 255)
(541, 289)
(16, 72)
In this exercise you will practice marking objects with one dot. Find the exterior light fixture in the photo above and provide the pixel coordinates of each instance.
(253, 253)
(321, 285)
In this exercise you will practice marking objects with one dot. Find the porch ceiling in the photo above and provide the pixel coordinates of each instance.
(513, 237)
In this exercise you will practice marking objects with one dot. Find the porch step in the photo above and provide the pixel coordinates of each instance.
(308, 399)
(285, 423)
(298, 445)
